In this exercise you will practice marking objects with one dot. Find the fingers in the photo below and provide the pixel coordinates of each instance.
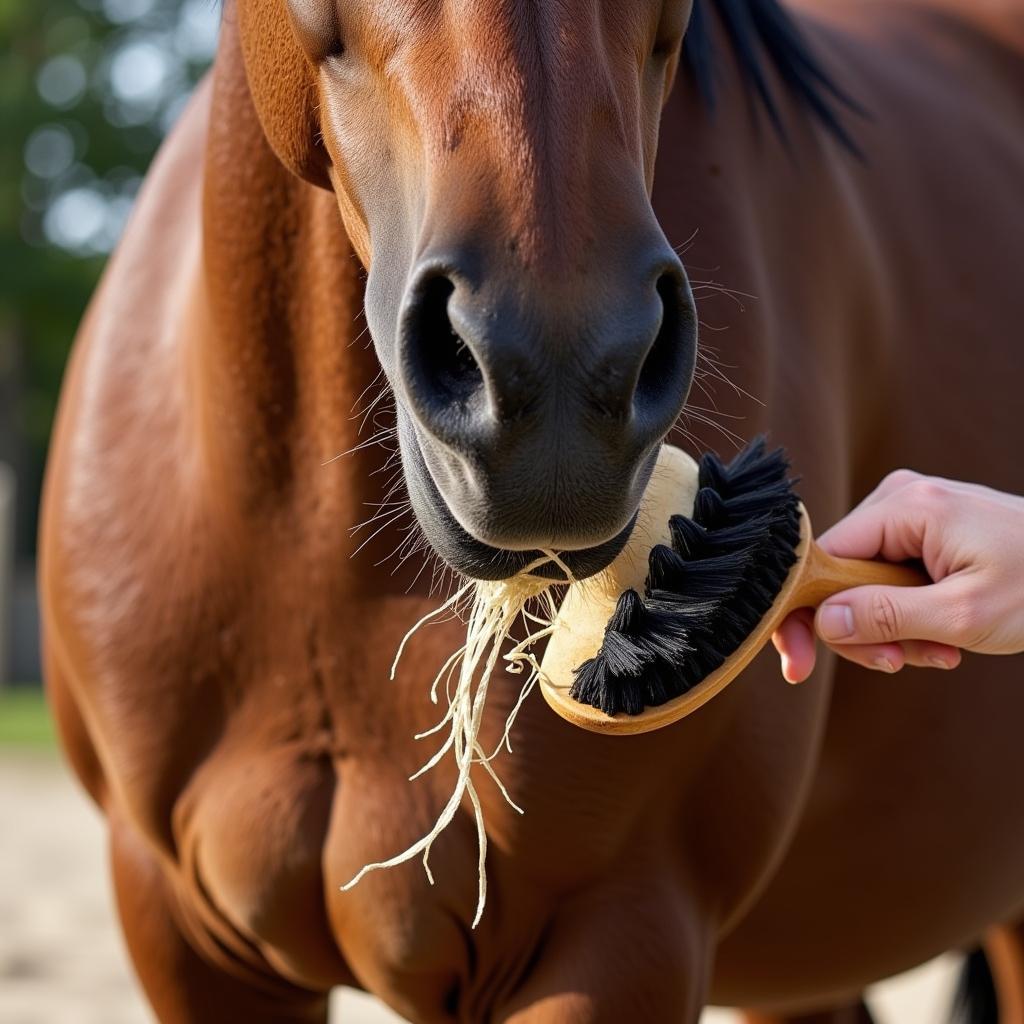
(928, 654)
(892, 482)
(890, 658)
(887, 615)
(879, 628)
(968, 537)
(892, 525)
(897, 519)
(794, 640)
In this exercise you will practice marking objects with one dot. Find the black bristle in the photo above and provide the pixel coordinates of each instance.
(709, 509)
(665, 633)
(770, 499)
(691, 540)
(788, 528)
(591, 686)
(628, 610)
(704, 594)
(664, 567)
(622, 656)
(597, 685)
(733, 625)
(711, 473)
(662, 683)
(688, 538)
(755, 457)
(632, 698)
(701, 579)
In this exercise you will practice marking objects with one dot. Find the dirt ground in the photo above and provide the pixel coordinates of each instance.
(61, 957)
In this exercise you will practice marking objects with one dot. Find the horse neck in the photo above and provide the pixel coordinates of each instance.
(283, 360)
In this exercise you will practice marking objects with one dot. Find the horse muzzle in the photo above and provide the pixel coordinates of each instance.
(530, 420)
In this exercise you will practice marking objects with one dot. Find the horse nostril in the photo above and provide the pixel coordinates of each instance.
(446, 371)
(668, 362)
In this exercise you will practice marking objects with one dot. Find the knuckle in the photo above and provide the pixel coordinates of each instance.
(901, 478)
(968, 618)
(927, 492)
(884, 616)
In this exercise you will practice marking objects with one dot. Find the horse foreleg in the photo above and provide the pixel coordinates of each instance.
(614, 957)
(1004, 947)
(183, 985)
(857, 1013)
(71, 727)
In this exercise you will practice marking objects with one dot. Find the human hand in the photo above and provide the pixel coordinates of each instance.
(971, 540)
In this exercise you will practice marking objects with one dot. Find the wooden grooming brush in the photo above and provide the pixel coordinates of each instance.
(719, 556)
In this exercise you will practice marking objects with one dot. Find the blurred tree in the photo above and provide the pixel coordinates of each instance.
(87, 90)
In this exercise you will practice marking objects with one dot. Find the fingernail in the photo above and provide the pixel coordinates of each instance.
(884, 664)
(835, 621)
(786, 670)
(939, 662)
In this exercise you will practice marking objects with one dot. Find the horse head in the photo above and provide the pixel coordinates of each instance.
(493, 163)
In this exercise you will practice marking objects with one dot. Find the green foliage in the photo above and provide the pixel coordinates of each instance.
(25, 718)
(108, 107)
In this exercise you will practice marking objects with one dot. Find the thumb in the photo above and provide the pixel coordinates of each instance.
(881, 615)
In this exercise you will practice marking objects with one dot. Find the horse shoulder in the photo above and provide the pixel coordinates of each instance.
(111, 555)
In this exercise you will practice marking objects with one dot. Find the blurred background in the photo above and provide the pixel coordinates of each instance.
(88, 88)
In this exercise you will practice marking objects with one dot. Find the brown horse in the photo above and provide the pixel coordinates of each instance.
(218, 661)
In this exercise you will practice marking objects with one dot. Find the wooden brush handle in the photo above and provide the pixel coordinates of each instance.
(824, 575)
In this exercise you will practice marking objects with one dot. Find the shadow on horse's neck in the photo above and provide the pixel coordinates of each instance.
(285, 356)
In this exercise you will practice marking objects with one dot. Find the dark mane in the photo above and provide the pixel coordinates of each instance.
(763, 33)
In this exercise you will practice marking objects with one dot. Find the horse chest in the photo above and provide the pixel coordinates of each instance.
(267, 837)
(306, 781)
